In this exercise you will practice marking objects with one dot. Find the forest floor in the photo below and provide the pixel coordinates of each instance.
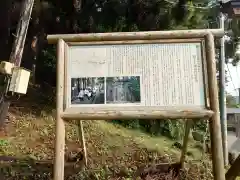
(114, 152)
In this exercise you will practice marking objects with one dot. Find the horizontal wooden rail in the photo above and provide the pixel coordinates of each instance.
(154, 114)
(144, 35)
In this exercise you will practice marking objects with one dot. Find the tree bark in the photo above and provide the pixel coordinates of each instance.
(18, 46)
(5, 7)
(16, 54)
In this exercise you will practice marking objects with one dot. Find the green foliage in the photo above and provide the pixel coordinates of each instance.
(46, 66)
(200, 125)
(231, 101)
(132, 124)
(3, 142)
(49, 57)
(173, 129)
(134, 87)
(237, 105)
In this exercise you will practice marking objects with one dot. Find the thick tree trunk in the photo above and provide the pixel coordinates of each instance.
(18, 46)
(17, 52)
(5, 7)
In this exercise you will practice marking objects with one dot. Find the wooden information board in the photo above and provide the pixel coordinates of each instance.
(140, 75)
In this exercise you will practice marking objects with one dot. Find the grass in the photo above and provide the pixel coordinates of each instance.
(114, 152)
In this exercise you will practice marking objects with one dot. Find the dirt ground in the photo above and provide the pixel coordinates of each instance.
(114, 152)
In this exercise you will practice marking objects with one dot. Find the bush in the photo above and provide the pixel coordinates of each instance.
(173, 129)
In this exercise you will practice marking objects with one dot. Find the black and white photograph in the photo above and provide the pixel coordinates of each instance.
(87, 90)
(123, 89)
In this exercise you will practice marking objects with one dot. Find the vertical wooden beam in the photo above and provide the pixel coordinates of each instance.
(188, 125)
(214, 123)
(60, 126)
(82, 140)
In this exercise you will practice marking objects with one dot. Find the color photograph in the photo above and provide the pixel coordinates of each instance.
(123, 89)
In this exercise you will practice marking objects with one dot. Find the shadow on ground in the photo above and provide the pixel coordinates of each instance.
(12, 168)
(35, 101)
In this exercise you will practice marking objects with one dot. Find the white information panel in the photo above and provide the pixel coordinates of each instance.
(160, 74)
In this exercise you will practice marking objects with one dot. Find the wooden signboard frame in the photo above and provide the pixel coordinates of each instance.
(210, 112)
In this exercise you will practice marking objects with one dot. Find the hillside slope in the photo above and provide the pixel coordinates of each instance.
(114, 152)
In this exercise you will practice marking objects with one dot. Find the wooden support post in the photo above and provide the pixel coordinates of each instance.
(60, 126)
(214, 123)
(188, 125)
(139, 113)
(82, 140)
(234, 170)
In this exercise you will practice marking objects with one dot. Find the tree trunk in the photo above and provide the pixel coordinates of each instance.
(18, 46)
(5, 7)
(17, 51)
